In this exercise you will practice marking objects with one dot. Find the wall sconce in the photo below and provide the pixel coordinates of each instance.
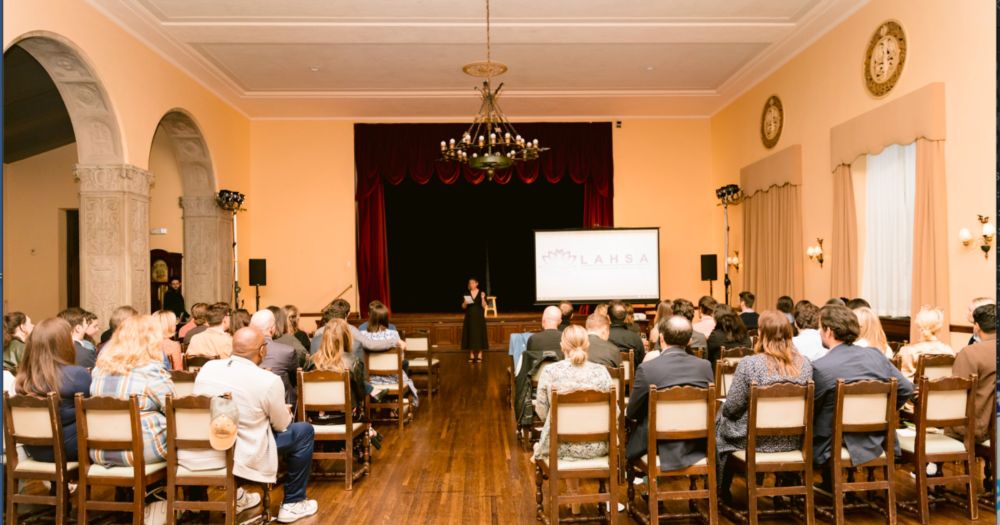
(815, 253)
(989, 230)
(734, 261)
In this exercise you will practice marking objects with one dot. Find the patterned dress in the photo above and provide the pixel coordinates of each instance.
(731, 423)
(564, 377)
(152, 383)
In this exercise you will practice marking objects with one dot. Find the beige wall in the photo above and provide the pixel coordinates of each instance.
(36, 192)
(164, 207)
(823, 87)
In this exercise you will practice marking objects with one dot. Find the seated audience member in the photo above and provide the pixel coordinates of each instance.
(856, 303)
(747, 315)
(132, 363)
(48, 367)
(786, 306)
(548, 340)
(601, 308)
(980, 359)
(265, 424)
(729, 332)
(674, 367)
(630, 319)
(76, 317)
(119, 315)
(334, 355)
(16, 328)
(566, 310)
(90, 332)
(341, 309)
(239, 319)
(377, 304)
(195, 325)
(808, 342)
(378, 329)
(872, 335)
(281, 335)
(280, 358)
(706, 310)
(574, 373)
(173, 358)
(214, 342)
(976, 303)
(838, 326)
(774, 361)
(292, 313)
(929, 321)
(601, 351)
(622, 335)
(664, 309)
(685, 309)
(836, 301)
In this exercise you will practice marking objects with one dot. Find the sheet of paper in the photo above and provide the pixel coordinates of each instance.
(468, 299)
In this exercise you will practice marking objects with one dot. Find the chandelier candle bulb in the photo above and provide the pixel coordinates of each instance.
(989, 230)
(442, 146)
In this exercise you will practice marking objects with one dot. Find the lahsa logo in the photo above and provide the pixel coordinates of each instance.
(559, 257)
(562, 257)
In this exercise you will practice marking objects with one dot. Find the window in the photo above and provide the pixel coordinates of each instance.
(890, 184)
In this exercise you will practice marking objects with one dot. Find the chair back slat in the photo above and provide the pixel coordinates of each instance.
(583, 418)
(780, 408)
(865, 406)
(384, 363)
(417, 344)
(585, 415)
(193, 423)
(865, 409)
(945, 405)
(724, 373)
(31, 422)
(183, 382)
(782, 412)
(682, 410)
(324, 389)
(934, 366)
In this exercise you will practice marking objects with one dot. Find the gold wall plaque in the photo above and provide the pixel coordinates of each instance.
(772, 120)
(884, 58)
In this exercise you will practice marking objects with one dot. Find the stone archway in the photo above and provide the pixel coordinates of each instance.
(114, 196)
(208, 235)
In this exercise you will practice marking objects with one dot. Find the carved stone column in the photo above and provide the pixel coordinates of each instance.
(114, 237)
(208, 251)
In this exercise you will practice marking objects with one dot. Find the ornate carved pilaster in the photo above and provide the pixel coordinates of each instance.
(114, 237)
(208, 251)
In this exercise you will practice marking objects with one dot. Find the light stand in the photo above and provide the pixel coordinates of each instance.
(232, 202)
(729, 194)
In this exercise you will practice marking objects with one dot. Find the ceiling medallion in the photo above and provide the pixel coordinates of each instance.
(884, 58)
(772, 120)
(491, 143)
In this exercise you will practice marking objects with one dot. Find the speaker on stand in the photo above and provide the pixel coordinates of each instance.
(258, 276)
(709, 270)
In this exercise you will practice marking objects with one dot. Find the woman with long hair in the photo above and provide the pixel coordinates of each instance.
(334, 355)
(729, 332)
(281, 335)
(929, 320)
(132, 363)
(48, 366)
(292, 313)
(872, 335)
(172, 355)
(775, 360)
(664, 309)
(16, 329)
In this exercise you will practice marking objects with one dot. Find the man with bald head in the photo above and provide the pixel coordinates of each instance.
(550, 336)
(673, 367)
(265, 427)
(280, 358)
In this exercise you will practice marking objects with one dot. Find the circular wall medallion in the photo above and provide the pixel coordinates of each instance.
(771, 121)
(884, 58)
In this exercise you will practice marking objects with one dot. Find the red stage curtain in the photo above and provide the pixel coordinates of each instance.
(392, 153)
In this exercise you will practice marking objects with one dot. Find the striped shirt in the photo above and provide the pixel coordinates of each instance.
(152, 383)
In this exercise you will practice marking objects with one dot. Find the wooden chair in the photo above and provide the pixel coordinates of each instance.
(579, 416)
(942, 403)
(628, 360)
(491, 306)
(678, 414)
(529, 434)
(423, 365)
(864, 406)
(113, 424)
(896, 345)
(616, 382)
(183, 382)
(934, 366)
(194, 363)
(734, 355)
(188, 428)
(781, 409)
(35, 421)
(389, 363)
(330, 392)
(724, 373)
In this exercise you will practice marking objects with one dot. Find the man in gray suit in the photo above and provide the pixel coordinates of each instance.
(601, 351)
(673, 367)
(280, 358)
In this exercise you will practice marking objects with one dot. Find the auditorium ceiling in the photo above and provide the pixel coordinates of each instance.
(402, 59)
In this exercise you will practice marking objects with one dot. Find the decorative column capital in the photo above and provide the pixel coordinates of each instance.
(113, 178)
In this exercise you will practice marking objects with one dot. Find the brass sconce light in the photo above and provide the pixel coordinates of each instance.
(734, 261)
(815, 253)
(989, 230)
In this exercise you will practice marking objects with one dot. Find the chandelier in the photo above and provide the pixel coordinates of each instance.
(491, 143)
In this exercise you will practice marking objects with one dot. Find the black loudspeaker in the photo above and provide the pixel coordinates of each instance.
(258, 272)
(709, 267)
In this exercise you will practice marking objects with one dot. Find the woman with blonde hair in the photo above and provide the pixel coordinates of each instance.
(334, 355)
(929, 320)
(775, 360)
(292, 313)
(171, 349)
(132, 364)
(664, 310)
(872, 335)
(572, 374)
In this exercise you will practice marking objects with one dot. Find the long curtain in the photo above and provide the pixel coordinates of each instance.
(772, 242)
(930, 234)
(392, 153)
(888, 262)
(843, 250)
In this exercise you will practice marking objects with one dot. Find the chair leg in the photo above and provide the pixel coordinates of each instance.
(890, 497)
(653, 489)
(11, 510)
(368, 451)
(553, 497)
(971, 483)
(81, 501)
(613, 491)
(400, 413)
(138, 504)
(171, 500)
(751, 494)
(713, 496)
(807, 480)
(923, 506)
(349, 462)
(838, 492)
(539, 494)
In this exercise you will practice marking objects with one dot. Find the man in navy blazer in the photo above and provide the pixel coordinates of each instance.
(673, 367)
(839, 329)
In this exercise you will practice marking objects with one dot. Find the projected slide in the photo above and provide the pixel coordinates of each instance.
(597, 265)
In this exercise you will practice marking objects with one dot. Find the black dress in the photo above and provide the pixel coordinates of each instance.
(474, 327)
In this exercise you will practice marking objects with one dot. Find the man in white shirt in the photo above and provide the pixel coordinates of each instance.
(809, 342)
(215, 341)
(265, 426)
(706, 323)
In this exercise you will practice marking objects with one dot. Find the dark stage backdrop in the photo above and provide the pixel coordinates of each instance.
(438, 236)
